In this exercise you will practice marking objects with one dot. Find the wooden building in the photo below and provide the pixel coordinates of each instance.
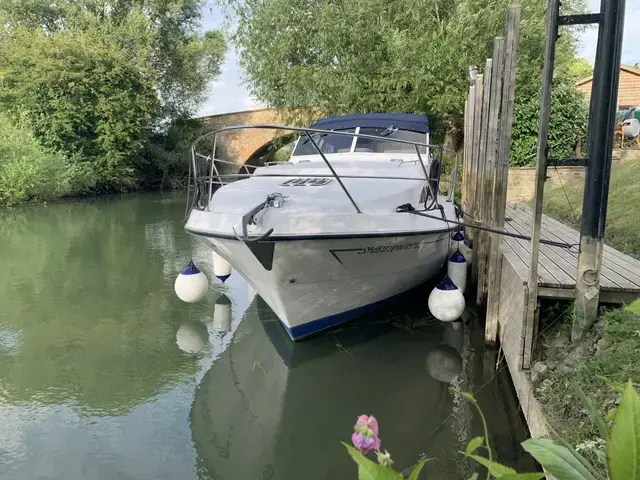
(628, 92)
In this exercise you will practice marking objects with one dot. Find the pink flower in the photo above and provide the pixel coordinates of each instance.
(365, 444)
(366, 422)
(365, 437)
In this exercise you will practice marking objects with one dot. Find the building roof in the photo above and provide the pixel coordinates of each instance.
(625, 68)
(405, 121)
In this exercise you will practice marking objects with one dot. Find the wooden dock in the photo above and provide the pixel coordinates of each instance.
(620, 276)
(557, 267)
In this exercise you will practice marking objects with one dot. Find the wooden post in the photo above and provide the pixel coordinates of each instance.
(482, 253)
(502, 170)
(468, 148)
(475, 164)
(481, 237)
(553, 12)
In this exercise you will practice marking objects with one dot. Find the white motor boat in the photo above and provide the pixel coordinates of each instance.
(339, 228)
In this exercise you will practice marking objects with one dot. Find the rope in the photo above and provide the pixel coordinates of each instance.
(573, 212)
(408, 208)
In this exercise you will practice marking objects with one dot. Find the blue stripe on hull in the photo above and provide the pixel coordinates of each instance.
(301, 331)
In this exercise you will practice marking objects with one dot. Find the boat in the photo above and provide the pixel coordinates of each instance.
(328, 235)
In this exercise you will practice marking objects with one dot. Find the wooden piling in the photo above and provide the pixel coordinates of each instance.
(502, 171)
(475, 167)
(468, 150)
(488, 179)
(541, 175)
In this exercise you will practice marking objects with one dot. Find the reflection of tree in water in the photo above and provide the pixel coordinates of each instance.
(88, 313)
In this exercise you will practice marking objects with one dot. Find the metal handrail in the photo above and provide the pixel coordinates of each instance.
(214, 173)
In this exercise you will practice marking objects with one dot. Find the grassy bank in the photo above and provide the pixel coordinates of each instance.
(611, 349)
(623, 214)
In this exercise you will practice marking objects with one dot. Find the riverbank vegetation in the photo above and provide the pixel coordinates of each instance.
(609, 350)
(606, 354)
(404, 56)
(99, 91)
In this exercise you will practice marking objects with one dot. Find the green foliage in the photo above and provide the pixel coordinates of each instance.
(623, 450)
(369, 470)
(558, 460)
(106, 82)
(563, 462)
(634, 307)
(83, 95)
(608, 352)
(28, 171)
(567, 124)
(162, 34)
(163, 162)
(580, 68)
(406, 56)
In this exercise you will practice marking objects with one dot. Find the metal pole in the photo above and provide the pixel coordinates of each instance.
(553, 12)
(603, 105)
(454, 179)
(213, 168)
(335, 175)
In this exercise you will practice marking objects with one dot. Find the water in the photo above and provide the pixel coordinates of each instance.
(93, 383)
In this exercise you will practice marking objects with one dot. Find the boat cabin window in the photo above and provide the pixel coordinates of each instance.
(328, 143)
(382, 146)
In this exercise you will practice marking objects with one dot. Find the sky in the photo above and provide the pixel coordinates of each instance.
(229, 94)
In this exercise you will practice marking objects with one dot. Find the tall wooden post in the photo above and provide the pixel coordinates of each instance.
(475, 168)
(601, 123)
(490, 149)
(553, 12)
(467, 205)
(502, 170)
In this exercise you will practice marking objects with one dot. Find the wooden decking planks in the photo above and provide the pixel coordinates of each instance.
(558, 266)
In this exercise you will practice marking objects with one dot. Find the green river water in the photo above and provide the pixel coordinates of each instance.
(93, 384)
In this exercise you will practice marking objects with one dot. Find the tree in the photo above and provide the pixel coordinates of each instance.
(567, 123)
(83, 95)
(375, 55)
(580, 68)
(164, 32)
(100, 80)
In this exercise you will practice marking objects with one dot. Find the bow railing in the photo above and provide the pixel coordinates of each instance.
(206, 172)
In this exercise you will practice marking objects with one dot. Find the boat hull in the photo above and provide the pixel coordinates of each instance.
(315, 284)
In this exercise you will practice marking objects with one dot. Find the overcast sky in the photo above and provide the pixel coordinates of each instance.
(228, 94)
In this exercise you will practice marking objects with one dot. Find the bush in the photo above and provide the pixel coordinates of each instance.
(568, 123)
(84, 95)
(164, 160)
(28, 171)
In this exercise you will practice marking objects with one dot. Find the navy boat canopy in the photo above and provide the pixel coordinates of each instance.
(403, 121)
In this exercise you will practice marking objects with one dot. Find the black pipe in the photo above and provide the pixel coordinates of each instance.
(602, 111)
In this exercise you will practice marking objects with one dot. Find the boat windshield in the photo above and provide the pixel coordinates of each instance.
(383, 146)
(328, 143)
(343, 144)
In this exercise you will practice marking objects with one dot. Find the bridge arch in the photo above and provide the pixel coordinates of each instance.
(254, 146)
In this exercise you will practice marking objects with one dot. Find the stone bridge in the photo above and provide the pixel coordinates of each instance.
(249, 146)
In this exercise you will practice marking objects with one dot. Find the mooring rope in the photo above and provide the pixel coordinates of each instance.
(408, 208)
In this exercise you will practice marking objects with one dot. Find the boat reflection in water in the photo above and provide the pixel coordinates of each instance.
(272, 408)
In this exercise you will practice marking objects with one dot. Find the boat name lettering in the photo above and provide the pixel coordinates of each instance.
(390, 248)
(305, 182)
